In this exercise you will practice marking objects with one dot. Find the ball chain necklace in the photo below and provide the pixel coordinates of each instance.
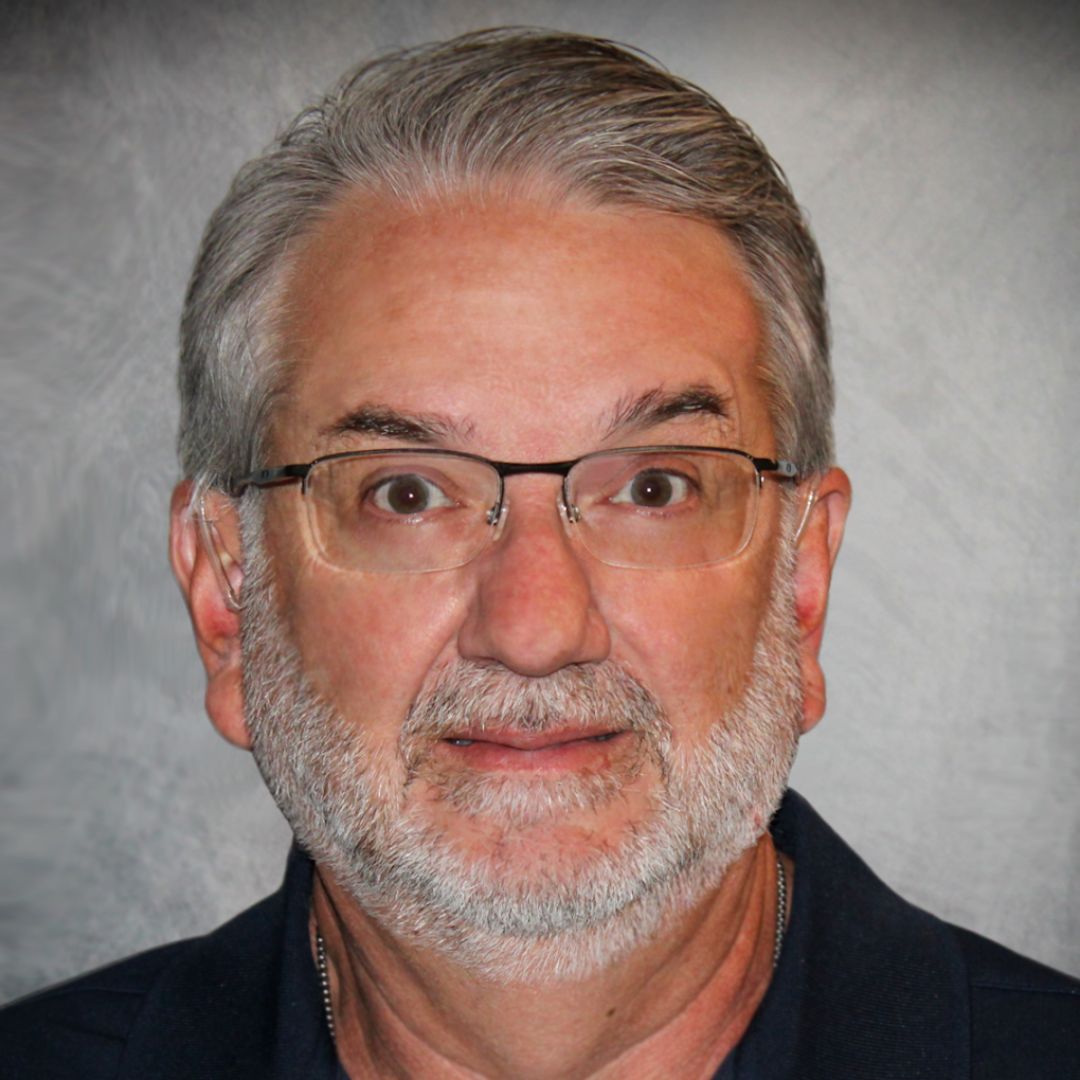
(781, 911)
(324, 983)
(324, 969)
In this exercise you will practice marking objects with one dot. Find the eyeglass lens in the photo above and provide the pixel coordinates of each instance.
(421, 511)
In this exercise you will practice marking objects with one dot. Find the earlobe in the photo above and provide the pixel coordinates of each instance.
(205, 550)
(818, 543)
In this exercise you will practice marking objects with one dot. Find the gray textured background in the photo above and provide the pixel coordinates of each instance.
(936, 148)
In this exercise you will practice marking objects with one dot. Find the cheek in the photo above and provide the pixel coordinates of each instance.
(367, 642)
(690, 637)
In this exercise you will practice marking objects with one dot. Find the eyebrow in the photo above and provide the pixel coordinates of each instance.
(658, 406)
(383, 422)
(639, 412)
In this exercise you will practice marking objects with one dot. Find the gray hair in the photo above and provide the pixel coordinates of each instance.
(587, 118)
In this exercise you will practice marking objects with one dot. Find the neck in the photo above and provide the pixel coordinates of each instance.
(674, 1007)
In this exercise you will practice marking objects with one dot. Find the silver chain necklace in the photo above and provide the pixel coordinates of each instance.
(324, 969)
(324, 984)
(781, 911)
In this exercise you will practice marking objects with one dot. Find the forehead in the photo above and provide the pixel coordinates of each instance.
(521, 322)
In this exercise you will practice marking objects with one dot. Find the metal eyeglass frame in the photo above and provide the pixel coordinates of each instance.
(274, 476)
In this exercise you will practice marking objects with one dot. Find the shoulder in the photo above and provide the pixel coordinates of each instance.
(1025, 1017)
(79, 1028)
(882, 988)
(85, 1028)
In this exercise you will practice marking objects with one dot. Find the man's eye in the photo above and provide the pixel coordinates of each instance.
(407, 494)
(654, 489)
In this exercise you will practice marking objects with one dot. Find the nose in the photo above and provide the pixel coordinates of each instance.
(533, 609)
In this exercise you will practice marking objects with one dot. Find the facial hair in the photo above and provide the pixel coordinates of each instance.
(496, 913)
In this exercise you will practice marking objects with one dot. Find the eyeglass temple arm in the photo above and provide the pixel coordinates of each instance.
(784, 470)
(237, 485)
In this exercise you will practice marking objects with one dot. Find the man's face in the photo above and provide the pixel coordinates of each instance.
(535, 721)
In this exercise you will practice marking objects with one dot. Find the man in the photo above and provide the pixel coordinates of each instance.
(506, 535)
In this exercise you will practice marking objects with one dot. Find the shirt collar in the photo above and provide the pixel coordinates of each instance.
(867, 984)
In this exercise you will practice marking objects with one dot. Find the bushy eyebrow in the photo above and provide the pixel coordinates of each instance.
(383, 422)
(639, 412)
(656, 406)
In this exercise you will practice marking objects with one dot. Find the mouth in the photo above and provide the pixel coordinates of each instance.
(549, 750)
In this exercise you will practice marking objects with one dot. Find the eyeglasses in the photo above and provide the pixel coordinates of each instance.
(414, 511)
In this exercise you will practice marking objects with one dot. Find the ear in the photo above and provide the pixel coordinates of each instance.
(206, 555)
(818, 542)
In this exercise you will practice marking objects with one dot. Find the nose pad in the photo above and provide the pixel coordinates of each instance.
(496, 516)
(570, 509)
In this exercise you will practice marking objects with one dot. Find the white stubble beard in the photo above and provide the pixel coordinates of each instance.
(348, 800)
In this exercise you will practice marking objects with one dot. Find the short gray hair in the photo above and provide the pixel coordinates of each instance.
(585, 116)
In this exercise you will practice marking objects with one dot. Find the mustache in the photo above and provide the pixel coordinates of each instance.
(468, 696)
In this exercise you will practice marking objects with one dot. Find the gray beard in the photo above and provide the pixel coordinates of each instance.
(499, 914)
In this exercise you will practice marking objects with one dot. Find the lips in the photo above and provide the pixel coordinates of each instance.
(531, 741)
(566, 749)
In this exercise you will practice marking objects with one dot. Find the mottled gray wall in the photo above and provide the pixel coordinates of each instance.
(936, 148)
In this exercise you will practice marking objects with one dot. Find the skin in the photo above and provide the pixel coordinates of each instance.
(525, 324)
